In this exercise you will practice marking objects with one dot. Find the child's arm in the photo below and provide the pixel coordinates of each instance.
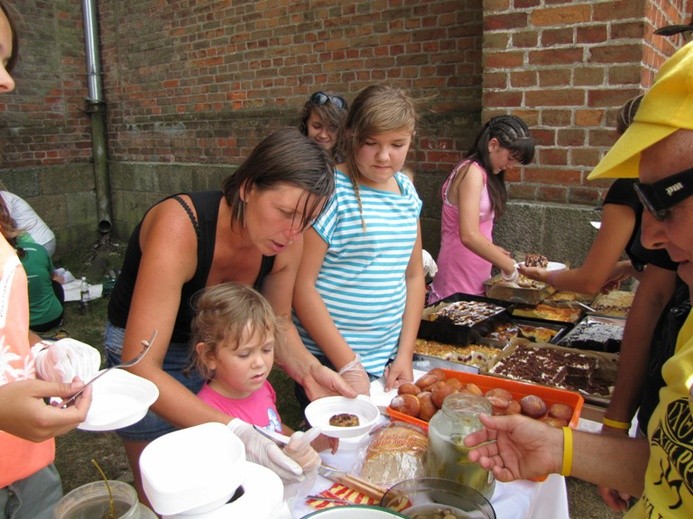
(401, 369)
(319, 444)
(311, 310)
(468, 199)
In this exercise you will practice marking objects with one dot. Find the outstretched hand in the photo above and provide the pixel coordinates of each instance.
(322, 381)
(516, 447)
(24, 413)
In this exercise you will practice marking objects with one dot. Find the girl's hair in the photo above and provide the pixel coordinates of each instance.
(8, 227)
(626, 113)
(226, 316)
(331, 108)
(377, 109)
(15, 40)
(285, 157)
(512, 134)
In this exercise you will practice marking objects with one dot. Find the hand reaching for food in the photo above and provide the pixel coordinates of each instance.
(355, 375)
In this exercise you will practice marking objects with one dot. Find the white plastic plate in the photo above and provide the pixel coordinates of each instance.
(553, 265)
(319, 412)
(119, 399)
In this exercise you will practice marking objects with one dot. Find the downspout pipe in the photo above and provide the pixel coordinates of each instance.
(96, 108)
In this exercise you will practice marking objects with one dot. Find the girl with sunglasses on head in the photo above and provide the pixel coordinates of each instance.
(360, 286)
(473, 196)
(321, 117)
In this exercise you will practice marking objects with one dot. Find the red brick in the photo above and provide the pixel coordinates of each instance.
(611, 53)
(503, 59)
(556, 117)
(584, 157)
(552, 194)
(589, 117)
(555, 77)
(563, 97)
(562, 57)
(566, 15)
(591, 34)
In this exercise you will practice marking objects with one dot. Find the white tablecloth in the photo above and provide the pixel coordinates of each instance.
(516, 500)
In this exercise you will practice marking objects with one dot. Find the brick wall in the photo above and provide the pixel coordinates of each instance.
(566, 67)
(192, 86)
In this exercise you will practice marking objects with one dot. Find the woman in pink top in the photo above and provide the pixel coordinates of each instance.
(473, 195)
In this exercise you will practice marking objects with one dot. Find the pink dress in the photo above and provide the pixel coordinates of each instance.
(460, 269)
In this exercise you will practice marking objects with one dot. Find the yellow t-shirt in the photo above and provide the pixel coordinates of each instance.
(669, 477)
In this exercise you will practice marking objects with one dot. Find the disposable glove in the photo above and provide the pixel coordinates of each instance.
(265, 452)
(355, 375)
(63, 360)
(300, 450)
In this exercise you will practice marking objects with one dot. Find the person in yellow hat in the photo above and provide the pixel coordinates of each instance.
(659, 468)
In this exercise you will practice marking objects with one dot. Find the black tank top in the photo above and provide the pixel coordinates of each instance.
(207, 208)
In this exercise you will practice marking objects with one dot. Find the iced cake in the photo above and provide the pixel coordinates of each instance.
(554, 367)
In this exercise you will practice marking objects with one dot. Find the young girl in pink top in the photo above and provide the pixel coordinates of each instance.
(473, 195)
(234, 333)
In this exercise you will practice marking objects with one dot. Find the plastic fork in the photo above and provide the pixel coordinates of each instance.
(146, 344)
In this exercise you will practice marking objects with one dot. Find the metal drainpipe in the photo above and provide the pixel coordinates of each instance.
(96, 108)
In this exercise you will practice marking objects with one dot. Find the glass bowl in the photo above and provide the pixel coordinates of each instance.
(423, 498)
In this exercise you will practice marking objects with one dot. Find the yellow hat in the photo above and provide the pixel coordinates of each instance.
(666, 107)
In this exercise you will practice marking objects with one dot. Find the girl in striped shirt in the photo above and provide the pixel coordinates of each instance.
(360, 288)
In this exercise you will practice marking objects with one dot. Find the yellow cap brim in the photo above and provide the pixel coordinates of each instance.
(623, 159)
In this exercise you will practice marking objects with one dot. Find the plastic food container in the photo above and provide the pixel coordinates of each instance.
(447, 454)
(418, 496)
(198, 468)
(447, 332)
(496, 288)
(517, 389)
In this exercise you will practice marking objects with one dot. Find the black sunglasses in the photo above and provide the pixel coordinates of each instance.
(664, 194)
(320, 98)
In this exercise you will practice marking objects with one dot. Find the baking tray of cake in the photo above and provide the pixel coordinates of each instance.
(536, 330)
(564, 313)
(451, 320)
(525, 291)
(591, 373)
(596, 332)
(453, 356)
(616, 303)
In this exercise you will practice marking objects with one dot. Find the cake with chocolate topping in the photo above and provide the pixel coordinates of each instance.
(555, 368)
(536, 260)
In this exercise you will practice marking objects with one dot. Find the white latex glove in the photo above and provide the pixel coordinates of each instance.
(63, 360)
(354, 375)
(300, 450)
(429, 264)
(265, 452)
(511, 278)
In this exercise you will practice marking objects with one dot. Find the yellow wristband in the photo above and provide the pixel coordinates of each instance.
(616, 424)
(567, 451)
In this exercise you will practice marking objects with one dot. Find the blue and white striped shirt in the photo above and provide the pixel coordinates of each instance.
(362, 278)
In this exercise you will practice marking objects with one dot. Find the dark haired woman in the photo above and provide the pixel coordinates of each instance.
(473, 195)
(249, 232)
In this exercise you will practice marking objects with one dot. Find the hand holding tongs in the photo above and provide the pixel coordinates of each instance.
(146, 344)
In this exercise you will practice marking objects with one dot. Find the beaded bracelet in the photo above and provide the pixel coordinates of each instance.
(615, 424)
(567, 451)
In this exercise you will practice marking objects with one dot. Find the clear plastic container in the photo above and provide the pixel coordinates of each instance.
(92, 500)
(447, 455)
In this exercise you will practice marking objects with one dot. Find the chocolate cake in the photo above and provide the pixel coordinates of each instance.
(594, 334)
(555, 368)
(536, 260)
(466, 313)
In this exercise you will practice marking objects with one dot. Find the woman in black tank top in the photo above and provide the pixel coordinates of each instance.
(250, 233)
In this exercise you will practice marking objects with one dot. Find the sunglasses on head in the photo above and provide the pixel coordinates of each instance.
(664, 194)
(320, 98)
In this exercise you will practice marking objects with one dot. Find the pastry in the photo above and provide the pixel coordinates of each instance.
(344, 420)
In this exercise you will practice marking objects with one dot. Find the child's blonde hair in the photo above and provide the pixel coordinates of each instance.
(377, 109)
(227, 315)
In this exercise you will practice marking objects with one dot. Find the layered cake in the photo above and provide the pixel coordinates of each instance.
(466, 313)
(552, 367)
(536, 260)
(472, 355)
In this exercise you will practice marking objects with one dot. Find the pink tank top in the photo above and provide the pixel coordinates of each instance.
(460, 269)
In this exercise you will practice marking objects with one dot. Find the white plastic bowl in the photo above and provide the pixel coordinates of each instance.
(354, 512)
(194, 469)
(319, 412)
(119, 399)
